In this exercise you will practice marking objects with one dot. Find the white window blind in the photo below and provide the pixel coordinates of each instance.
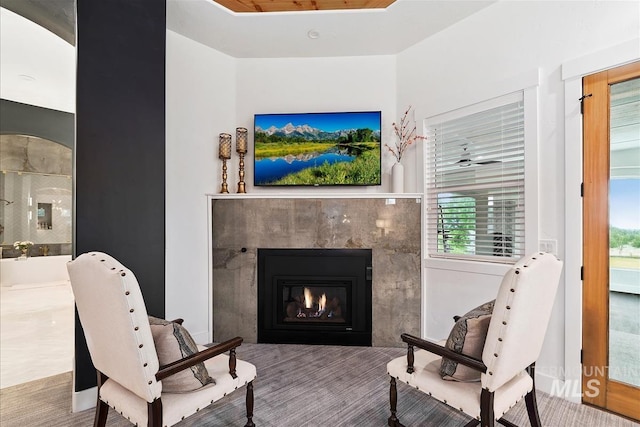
(475, 184)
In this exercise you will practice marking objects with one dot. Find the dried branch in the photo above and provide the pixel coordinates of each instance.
(404, 136)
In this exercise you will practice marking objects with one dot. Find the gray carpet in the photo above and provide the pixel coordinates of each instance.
(298, 386)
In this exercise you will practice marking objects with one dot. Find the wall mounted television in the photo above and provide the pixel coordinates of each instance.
(317, 149)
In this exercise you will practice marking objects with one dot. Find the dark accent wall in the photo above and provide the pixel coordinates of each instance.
(120, 146)
(24, 119)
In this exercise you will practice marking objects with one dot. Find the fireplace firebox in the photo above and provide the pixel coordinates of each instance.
(314, 296)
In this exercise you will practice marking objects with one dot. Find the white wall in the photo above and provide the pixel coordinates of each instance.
(303, 85)
(485, 56)
(200, 104)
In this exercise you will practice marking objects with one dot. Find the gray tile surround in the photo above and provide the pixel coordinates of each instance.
(241, 226)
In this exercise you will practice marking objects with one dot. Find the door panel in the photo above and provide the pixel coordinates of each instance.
(611, 221)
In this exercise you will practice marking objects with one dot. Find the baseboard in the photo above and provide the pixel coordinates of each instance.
(83, 400)
(568, 390)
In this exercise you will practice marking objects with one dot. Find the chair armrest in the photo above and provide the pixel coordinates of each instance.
(178, 321)
(434, 348)
(193, 359)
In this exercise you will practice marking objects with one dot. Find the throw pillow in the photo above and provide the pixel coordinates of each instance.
(467, 337)
(173, 342)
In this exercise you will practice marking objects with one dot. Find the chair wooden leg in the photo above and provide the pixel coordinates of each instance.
(393, 420)
(102, 409)
(487, 418)
(249, 405)
(154, 413)
(531, 401)
(532, 409)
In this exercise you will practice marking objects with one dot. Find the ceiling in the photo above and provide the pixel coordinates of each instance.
(57, 16)
(316, 33)
(291, 28)
(300, 5)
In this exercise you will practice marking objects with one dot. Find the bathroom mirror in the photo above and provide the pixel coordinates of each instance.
(35, 195)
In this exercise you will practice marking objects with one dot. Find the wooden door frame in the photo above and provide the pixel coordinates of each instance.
(597, 388)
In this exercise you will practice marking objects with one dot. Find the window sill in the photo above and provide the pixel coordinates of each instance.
(478, 267)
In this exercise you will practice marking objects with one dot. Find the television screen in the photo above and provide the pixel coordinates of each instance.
(317, 149)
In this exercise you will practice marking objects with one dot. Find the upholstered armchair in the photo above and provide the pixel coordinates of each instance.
(127, 352)
(486, 386)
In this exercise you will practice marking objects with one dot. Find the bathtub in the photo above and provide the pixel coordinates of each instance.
(42, 269)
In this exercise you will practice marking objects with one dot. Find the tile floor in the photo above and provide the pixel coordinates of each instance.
(36, 331)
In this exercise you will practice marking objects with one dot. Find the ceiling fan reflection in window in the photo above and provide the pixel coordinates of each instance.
(466, 160)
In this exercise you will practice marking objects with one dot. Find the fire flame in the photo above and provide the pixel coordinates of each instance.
(308, 298)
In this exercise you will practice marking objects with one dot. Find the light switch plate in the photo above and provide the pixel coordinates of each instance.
(549, 245)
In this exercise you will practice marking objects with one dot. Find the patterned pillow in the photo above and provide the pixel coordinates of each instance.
(467, 337)
(173, 342)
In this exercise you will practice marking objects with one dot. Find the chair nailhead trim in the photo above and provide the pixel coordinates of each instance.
(504, 323)
(123, 274)
(517, 271)
(149, 382)
(145, 365)
(495, 354)
(113, 268)
(508, 307)
(500, 339)
(513, 290)
(136, 328)
(141, 345)
(127, 293)
(490, 373)
(131, 311)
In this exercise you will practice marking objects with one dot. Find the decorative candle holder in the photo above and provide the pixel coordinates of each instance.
(224, 154)
(241, 149)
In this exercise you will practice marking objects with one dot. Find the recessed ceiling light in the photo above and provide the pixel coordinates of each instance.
(313, 34)
(26, 77)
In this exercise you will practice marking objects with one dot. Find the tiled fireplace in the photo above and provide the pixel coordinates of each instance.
(244, 225)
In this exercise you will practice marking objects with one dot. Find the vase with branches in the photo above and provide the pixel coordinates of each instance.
(405, 132)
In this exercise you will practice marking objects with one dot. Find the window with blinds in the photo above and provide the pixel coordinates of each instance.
(475, 183)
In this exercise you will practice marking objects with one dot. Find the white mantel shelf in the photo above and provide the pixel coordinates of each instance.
(315, 196)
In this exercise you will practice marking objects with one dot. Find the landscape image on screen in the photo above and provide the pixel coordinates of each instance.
(317, 149)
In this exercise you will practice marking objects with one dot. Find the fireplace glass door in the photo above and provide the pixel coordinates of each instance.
(312, 302)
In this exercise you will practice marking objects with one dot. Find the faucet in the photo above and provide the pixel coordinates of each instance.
(6, 201)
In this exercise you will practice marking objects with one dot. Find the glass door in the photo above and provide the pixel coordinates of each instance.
(611, 245)
(624, 232)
